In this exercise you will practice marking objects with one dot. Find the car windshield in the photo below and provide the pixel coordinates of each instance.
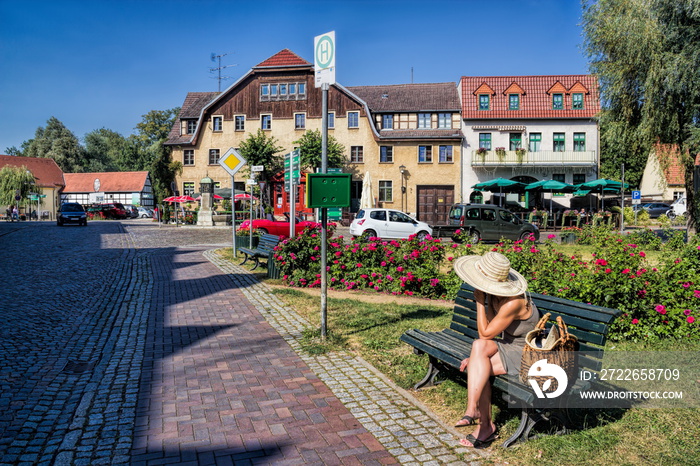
(72, 208)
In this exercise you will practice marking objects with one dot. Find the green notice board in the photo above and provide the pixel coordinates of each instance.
(328, 189)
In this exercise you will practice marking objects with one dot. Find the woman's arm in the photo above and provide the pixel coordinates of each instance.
(491, 322)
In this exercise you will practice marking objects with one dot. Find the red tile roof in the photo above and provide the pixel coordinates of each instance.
(45, 170)
(110, 182)
(409, 97)
(283, 59)
(670, 161)
(535, 96)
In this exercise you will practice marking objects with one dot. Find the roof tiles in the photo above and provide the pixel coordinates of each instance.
(283, 58)
(535, 96)
(111, 182)
(46, 171)
(409, 97)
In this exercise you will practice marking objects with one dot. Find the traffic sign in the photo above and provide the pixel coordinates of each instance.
(257, 168)
(291, 168)
(232, 161)
(636, 197)
(324, 58)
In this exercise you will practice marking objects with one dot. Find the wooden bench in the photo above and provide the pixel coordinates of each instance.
(446, 350)
(264, 249)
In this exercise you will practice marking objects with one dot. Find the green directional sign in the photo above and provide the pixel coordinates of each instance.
(291, 168)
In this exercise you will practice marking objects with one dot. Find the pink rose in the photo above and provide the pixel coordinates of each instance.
(635, 321)
(690, 319)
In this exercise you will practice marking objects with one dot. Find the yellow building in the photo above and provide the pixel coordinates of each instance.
(408, 137)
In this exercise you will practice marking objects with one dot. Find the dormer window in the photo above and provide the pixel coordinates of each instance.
(513, 101)
(387, 121)
(557, 101)
(577, 101)
(484, 102)
(189, 126)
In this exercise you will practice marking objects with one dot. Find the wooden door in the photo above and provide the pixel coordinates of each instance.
(434, 202)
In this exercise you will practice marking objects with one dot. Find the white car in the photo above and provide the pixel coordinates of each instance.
(678, 208)
(388, 223)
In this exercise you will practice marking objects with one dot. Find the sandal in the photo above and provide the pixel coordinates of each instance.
(471, 421)
(476, 443)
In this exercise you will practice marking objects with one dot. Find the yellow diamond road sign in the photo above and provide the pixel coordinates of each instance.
(232, 161)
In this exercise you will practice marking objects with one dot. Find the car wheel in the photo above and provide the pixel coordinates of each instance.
(59, 223)
(524, 236)
(671, 215)
(474, 236)
(422, 235)
(262, 231)
(367, 234)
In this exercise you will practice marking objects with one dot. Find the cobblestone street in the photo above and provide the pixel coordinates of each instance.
(129, 343)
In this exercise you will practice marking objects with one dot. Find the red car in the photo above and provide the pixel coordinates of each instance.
(278, 227)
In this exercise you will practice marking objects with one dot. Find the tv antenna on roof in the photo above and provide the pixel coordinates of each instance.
(214, 58)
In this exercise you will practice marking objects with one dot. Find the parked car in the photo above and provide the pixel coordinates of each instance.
(71, 212)
(112, 210)
(131, 210)
(278, 227)
(388, 223)
(488, 222)
(678, 208)
(145, 213)
(656, 209)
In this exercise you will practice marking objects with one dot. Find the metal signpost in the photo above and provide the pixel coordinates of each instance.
(232, 161)
(291, 180)
(324, 69)
(636, 200)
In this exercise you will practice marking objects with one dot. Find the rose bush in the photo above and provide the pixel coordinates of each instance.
(657, 301)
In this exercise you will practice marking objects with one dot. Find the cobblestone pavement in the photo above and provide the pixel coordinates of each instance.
(126, 343)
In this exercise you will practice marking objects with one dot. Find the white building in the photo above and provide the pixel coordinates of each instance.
(529, 128)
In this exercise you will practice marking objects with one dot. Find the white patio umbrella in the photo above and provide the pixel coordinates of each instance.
(367, 198)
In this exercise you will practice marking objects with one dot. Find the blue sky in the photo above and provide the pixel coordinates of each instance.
(105, 63)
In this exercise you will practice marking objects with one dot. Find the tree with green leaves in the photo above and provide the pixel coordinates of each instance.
(261, 149)
(13, 179)
(646, 54)
(56, 142)
(104, 150)
(310, 151)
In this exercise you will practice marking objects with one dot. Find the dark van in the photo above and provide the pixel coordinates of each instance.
(488, 222)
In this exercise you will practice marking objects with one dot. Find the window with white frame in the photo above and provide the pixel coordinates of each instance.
(424, 121)
(188, 188)
(188, 157)
(282, 91)
(217, 123)
(388, 121)
(386, 191)
(353, 119)
(214, 155)
(445, 154)
(444, 121)
(331, 120)
(189, 126)
(386, 154)
(300, 121)
(266, 122)
(239, 122)
(356, 154)
(425, 154)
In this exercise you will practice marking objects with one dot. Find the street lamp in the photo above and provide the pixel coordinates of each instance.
(402, 169)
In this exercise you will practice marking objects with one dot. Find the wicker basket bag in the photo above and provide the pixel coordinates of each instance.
(555, 344)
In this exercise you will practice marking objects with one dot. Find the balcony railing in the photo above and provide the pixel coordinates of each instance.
(540, 158)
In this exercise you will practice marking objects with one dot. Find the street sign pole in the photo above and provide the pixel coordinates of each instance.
(324, 70)
(232, 161)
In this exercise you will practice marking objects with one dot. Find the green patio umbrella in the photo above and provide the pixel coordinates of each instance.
(601, 186)
(552, 186)
(500, 185)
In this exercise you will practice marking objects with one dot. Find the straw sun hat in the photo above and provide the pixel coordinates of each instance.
(490, 273)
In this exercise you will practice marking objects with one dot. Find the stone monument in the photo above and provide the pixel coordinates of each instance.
(204, 216)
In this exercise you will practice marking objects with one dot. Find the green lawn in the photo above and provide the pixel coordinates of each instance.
(372, 330)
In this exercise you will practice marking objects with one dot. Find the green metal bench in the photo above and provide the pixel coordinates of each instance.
(264, 249)
(446, 350)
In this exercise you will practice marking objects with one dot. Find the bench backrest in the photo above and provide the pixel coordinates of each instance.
(268, 242)
(589, 323)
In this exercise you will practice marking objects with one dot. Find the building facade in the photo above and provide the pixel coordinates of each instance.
(48, 179)
(407, 137)
(124, 187)
(530, 128)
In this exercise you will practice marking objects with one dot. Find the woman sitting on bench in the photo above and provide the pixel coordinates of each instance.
(501, 307)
